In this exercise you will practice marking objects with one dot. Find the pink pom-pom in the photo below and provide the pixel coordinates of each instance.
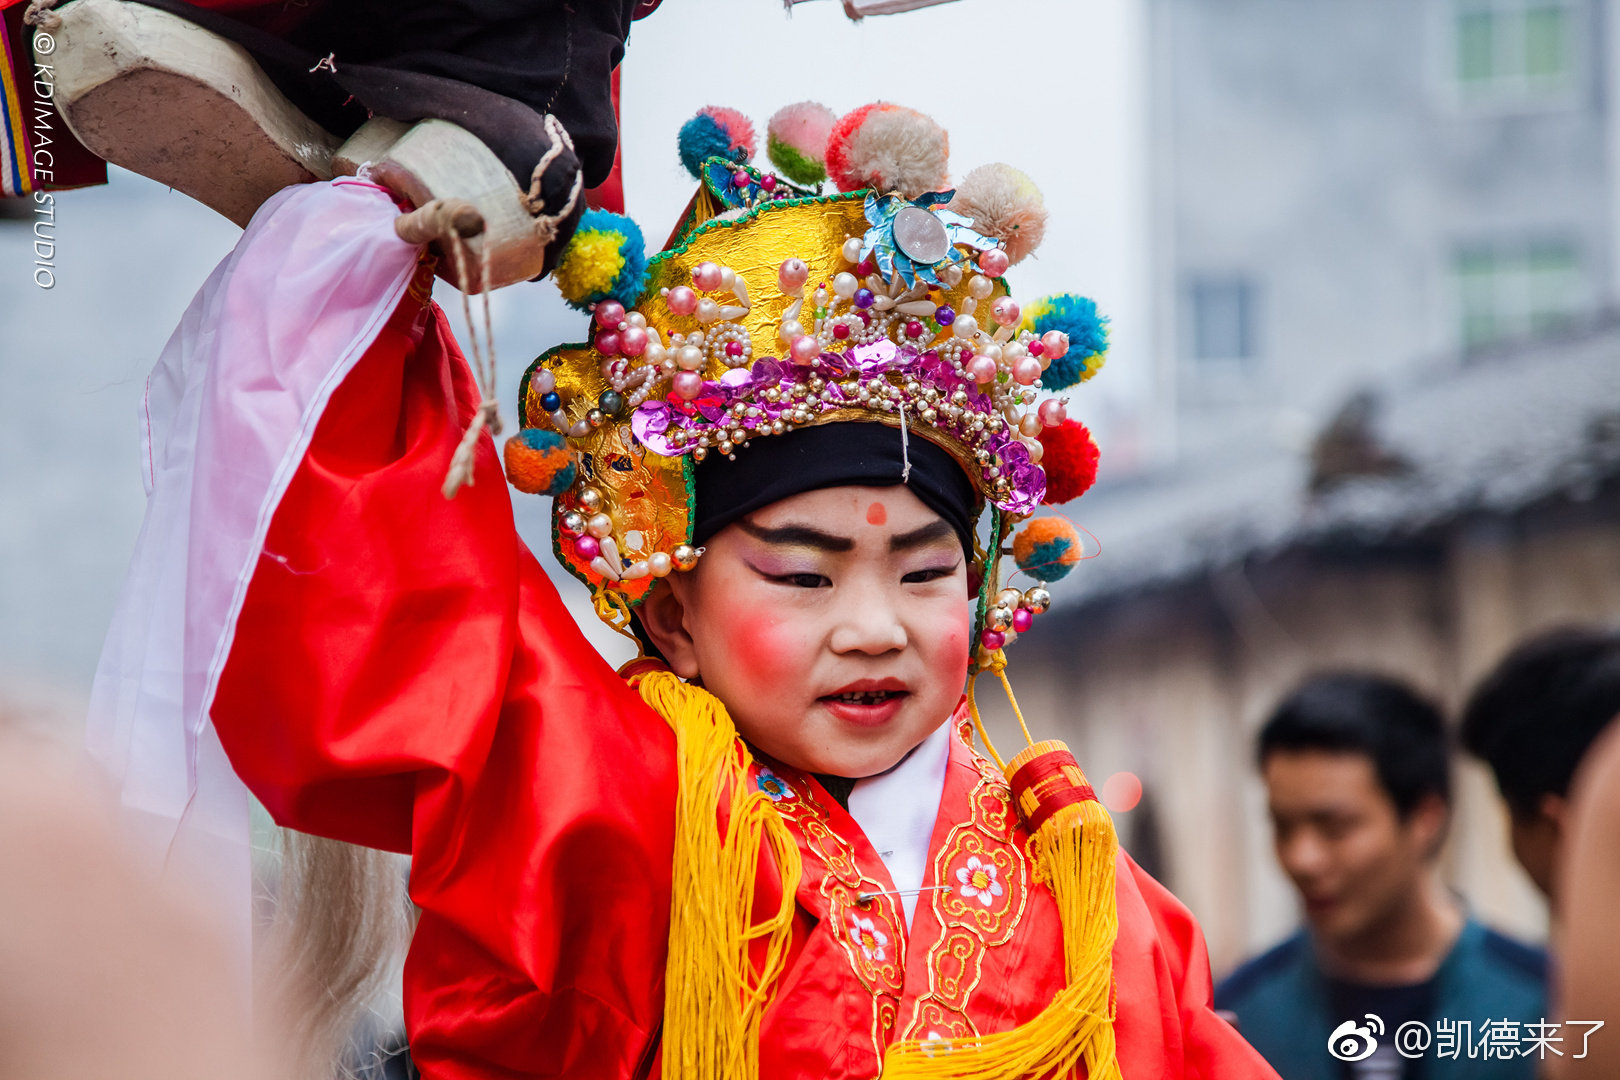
(1005, 205)
(739, 129)
(804, 126)
(888, 148)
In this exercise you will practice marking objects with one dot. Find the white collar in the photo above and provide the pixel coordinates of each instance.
(897, 811)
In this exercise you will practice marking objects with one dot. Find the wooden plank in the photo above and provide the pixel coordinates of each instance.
(167, 99)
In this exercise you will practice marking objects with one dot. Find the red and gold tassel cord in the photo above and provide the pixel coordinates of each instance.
(1073, 844)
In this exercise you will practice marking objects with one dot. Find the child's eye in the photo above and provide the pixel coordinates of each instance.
(934, 573)
(803, 581)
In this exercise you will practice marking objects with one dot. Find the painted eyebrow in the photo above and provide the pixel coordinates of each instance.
(798, 536)
(938, 529)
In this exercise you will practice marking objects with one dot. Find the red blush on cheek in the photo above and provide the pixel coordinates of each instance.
(877, 514)
(770, 643)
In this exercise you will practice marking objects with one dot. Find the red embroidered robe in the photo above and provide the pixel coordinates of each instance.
(403, 675)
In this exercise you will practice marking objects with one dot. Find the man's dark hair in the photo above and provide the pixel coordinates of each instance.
(1536, 715)
(1385, 720)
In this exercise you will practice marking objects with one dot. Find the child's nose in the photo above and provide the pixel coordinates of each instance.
(870, 626)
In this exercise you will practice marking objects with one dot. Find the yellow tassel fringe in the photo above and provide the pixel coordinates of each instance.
(714, 995)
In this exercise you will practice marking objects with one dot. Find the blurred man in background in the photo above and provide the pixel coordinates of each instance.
(1532, 720)
(1357, 780)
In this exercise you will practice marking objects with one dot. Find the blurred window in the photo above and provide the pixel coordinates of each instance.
(1223, 320)
(1514, 50)
(1516, 292)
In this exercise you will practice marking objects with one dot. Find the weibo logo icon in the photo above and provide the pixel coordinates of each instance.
(1353, 1042)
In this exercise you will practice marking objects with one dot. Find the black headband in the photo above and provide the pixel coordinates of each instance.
(864, 454)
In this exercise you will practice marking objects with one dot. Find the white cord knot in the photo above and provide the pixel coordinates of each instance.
(545, 225)
(488, 415)
(461, 463)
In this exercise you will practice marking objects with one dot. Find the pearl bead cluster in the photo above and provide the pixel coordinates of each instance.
(728, 342)
(587, 524)
(621, 339)
(858, 307)
(1012, 614)
(1006, 363)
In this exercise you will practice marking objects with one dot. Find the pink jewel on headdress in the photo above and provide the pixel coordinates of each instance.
(876, 356)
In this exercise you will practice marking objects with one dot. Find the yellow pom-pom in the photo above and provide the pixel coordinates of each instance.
(589, 265)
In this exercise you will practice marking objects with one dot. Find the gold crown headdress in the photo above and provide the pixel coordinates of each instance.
(776, 307)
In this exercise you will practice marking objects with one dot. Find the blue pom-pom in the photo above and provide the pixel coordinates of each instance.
(701, 138)
(715, 132)
(1077, 317)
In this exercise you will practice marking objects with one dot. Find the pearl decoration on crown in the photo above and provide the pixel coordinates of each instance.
(962, 367)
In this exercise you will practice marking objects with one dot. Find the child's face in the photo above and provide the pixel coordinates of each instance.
(833, 624)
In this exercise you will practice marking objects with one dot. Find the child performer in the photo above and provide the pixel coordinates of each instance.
(767, 849)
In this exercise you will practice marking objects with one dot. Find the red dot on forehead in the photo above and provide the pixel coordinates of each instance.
(877, 514)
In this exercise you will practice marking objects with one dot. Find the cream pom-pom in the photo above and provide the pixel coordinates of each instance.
(1005, 204)
(889, 148)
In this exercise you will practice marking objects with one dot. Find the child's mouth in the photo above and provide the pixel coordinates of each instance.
(865, 707)
(864, 697)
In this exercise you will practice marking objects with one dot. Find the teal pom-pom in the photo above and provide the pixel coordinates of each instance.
(605, 259)
(701, 138)
(1077, 317)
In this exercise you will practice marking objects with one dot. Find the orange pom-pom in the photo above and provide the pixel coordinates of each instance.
(1069, 457)
(539, 462)
(1047, 548)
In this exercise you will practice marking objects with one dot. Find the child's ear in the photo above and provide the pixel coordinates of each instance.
(663, 617)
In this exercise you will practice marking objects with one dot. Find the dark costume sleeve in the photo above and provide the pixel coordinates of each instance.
(403, 675)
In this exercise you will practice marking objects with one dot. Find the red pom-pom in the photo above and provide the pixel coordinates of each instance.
(1069, 456)
(838, 164)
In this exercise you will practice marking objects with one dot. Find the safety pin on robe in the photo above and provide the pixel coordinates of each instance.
(868, 897)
